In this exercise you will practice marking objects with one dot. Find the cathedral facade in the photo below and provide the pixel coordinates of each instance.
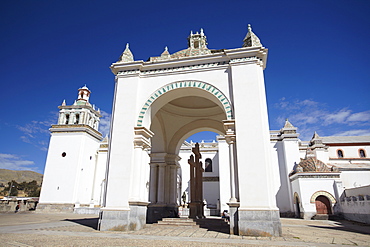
(141, 173)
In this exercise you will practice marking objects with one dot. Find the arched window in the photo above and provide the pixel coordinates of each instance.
(208, 165)
(67, 118)
(77, 120)
(340, 153)
(362, 153)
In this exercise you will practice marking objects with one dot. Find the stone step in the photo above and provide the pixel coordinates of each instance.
(178, 219)
(177, 222)
(321, 217)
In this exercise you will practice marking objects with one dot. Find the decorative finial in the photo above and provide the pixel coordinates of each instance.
(201, 32)
(166, 48)
(251, 40)
(64, 103)
(126, 56)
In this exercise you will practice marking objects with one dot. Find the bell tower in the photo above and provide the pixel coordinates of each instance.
(72, 156)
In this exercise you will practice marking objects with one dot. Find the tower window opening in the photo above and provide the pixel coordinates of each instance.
(64, 154)
(340, 154)
(67, 118)
(77, 120)
(208, 165)
(196, 44)
(362, 153)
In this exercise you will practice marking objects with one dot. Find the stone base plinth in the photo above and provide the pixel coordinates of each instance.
(264, 223)
(196, 210)
(157, 212)
(123, 220)
(234, 217)
(55, 208)
(87, 210)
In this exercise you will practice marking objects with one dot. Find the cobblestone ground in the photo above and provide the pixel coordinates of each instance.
(32, 229)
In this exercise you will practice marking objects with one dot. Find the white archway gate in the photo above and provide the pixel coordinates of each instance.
(158, 103)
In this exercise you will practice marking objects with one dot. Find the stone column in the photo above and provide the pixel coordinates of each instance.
(141, 142)
(161, 182)
(234, 217)
(71, 118)
(153, 183)
(229, 126)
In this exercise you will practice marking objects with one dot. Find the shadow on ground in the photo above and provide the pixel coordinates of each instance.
(89, 222)
(347, 226)
(216, 225)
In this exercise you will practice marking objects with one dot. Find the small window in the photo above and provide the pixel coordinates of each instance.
(362, 153)
(77, 120)
(67, 118)
(208, 165)
(64, 154)
(340, 154)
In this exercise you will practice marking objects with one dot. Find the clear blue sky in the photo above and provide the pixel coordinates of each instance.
(317, 72)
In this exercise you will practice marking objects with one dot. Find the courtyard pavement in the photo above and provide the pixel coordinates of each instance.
(36, 229)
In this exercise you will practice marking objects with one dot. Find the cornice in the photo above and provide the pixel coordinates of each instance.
(76, 128)
(67, 107)
(233, 56)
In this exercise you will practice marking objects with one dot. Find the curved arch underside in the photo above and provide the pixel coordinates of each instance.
(182, 88)
(180, 113)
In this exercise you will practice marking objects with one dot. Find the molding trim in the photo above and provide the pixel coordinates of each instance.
(322, 193)
(186, 84)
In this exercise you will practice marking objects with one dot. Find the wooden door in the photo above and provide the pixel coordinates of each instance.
(323, 205)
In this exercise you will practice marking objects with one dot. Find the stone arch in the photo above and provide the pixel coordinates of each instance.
(221, 98)
(322, 193)
(188, 130)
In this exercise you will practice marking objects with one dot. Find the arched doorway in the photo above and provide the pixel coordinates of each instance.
(297, 205)
(323, 205)
(173, 117)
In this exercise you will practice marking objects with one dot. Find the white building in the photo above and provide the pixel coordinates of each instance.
(140, 174)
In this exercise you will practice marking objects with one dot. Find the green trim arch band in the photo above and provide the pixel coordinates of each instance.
(186, 84)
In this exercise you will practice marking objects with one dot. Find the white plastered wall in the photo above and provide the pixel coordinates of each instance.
(69, 179)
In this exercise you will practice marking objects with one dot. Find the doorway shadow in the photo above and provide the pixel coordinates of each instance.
(88, 222)
(214, 224)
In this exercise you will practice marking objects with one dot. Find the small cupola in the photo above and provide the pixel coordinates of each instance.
(197, 40)
(83, 94)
